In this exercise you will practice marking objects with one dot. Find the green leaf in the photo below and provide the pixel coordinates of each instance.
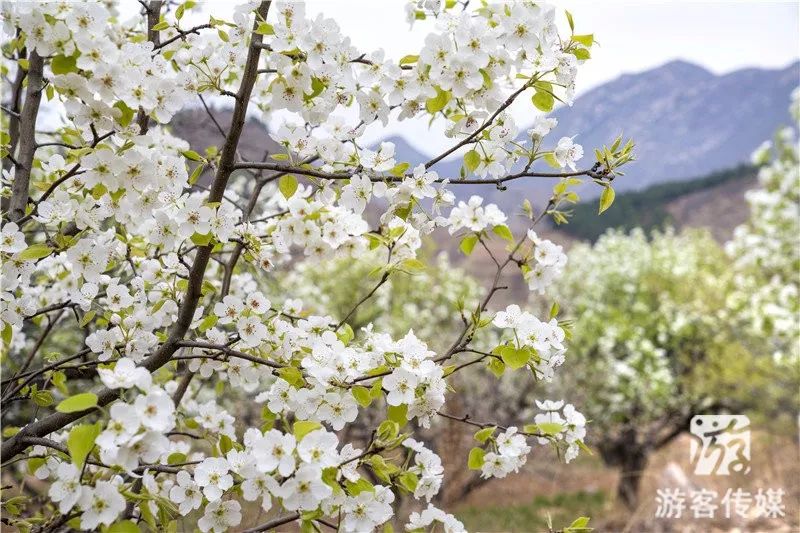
(176, 458)
(34, 252)
(543, 101)
(302, 428)
(409, 481)
(81, 441)
(362, 395)
(550, 428)
(487, 80)
(79, 402)
(42, 398)
(550, 159)
(196, 173)
(409, 59)
(606, 199)
(398, 414)
(346, 334)
(570, 21)
(291, 375)
(399, 169)
(8, 332)
(438, 102)
(163, 25)
(484, 434)
(207, 323)
(225, 444)
(412, 265)
(127, 113)
(513, 357)
(265, 28)
(579, 525)
(554, 310)
(388, 430)
(357, 487)
(87, 317)
(503, 232)
(63, 64)
(497, 367)
(201, 239)
(581, 53)
(123, 526)
(192, 155)
(468, 244)
(475, 461)
(471, 160)
(586, 40)
(287, 184)
(59, 379)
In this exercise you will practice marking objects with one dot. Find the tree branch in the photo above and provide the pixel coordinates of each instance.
(314, 173)
(153, 11)
(27, 138)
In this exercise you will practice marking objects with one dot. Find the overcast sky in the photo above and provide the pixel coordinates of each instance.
(721, 36)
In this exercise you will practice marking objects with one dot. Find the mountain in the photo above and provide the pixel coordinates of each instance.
(686, 121)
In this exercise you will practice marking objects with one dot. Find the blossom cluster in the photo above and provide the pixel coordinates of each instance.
(635, 317)
(765, 249)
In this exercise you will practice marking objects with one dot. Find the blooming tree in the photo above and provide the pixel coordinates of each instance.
(645, 324)
(766, 250)
(134, 311)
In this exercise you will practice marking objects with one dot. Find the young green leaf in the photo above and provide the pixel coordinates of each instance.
(543, 101)
(34, 252)
(484, 434)
(79, 402)
(81, 441)
(192, 155)
(475, 461)
(287, 184)
(503, 232)
(471, 160)
(468, 244)
(513, 357)
(362, 395)
(606, 199)
(304, 427)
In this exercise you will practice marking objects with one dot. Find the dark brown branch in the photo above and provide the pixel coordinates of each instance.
(314, 173)
(27, 139)
(181, 35)
(153, 11)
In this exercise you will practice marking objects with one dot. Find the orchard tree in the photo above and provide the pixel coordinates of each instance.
(647, 313)
(135, 317)
(766, 250)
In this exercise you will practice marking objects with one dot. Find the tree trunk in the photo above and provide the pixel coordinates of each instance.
(632, 465)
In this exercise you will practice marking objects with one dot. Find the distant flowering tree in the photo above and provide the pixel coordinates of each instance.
(134, 279)
(647, 313)
(766, 250)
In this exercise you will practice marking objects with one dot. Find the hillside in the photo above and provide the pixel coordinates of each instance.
(715, 202)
